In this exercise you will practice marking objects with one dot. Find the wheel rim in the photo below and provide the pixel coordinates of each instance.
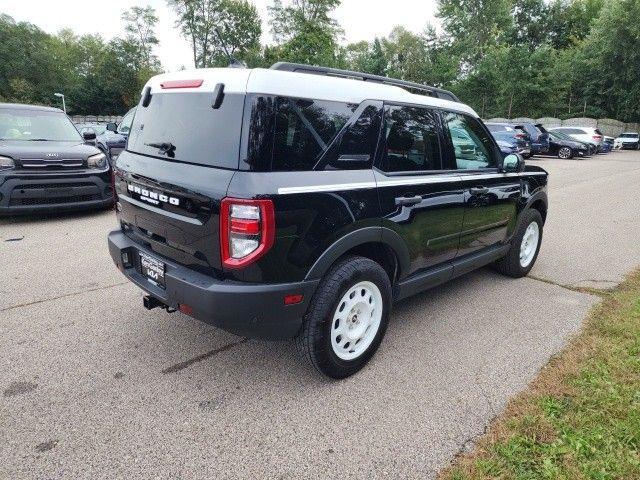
(356, 320)
(565, 152)
(529, 244)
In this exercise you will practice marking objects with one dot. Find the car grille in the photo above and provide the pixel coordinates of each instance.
(16, 202)
(43, 163)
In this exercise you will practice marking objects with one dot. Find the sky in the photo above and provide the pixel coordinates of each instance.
(360, 19)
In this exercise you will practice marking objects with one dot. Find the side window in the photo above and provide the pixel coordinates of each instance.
(472, 147)
(412, 141)
(304, 129)
(355, 146)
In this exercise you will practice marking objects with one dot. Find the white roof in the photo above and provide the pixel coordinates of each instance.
(300, 85)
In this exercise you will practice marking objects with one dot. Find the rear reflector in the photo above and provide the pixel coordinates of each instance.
(181, 84)
(292, 299)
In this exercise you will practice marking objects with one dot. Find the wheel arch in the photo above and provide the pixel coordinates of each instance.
(540, 202)
(380, 244)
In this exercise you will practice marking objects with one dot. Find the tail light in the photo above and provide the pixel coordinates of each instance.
(247, 229)
(521, 136)
(597, 137)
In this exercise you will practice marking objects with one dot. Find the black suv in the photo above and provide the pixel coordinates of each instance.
(302, 202)
(45, 164)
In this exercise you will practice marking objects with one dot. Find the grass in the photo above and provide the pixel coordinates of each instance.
(580, 419)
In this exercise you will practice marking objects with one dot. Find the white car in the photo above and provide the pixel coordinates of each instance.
(628, 140)
(583, 134)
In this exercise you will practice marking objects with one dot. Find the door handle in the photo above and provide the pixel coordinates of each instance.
(408, 201)
(478, 190)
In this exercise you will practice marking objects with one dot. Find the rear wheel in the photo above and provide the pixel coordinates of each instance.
(347, 318)
(525, 246)
(565, 153)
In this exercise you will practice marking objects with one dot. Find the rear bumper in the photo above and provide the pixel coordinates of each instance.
(29, 193)
(250, 310)
(630, 145)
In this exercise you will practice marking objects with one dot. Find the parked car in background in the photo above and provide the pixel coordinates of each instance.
(589, 135)
(607, 144)
(510, 142)
(519, 133)
(107, 141)
(539, 137)
(114, 139)
(629, 140)
(566, 147)
(45, 164)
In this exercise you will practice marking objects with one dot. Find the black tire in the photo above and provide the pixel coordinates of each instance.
(510, 264)
(314, 339)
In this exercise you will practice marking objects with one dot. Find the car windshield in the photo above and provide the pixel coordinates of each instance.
(36, 125)
(628, 135)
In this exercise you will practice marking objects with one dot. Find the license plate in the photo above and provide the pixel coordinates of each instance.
(152, 269)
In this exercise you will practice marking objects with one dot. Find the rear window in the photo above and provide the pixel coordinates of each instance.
(196, 132)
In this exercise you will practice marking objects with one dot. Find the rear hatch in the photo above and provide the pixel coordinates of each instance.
(180, 157)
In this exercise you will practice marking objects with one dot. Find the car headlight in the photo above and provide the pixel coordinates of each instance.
(97, 161)
(6, 162)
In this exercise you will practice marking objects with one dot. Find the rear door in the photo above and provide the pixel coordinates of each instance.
(490, 197)
(419, 201)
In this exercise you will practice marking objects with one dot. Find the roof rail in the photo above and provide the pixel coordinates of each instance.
(365, 77)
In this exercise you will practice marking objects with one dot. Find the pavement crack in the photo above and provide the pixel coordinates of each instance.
(571, 287)
(211, 353)
(72, 294)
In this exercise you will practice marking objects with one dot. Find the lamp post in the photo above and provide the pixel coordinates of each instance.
(64, 106)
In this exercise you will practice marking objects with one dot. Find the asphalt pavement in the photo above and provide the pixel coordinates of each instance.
(94, 386)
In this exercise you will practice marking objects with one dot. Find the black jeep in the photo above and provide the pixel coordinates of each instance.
(45, 164)
(302, 202)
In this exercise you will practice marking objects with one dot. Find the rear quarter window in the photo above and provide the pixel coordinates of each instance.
(198, 133)
(295, 134)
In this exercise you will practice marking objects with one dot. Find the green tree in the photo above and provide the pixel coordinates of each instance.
(608, 72)
(305, 31)
(215, 25)
(140, 23)
(473, 26)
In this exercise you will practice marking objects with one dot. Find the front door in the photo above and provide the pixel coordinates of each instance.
(419, 201)
(491, 197)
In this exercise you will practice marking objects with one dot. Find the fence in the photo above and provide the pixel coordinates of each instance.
(607, 126)
(96, 118)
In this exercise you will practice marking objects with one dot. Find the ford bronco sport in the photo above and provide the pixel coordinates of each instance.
(302, 202)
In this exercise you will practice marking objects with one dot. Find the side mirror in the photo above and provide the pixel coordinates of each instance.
(513, 163)
(112, 127)
(89, 136)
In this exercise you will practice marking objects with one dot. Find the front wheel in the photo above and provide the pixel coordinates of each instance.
(347, 318)
(565, 153)
(525, 246)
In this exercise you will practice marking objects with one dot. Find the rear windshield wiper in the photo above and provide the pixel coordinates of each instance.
(39, 140)
(166, 148)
